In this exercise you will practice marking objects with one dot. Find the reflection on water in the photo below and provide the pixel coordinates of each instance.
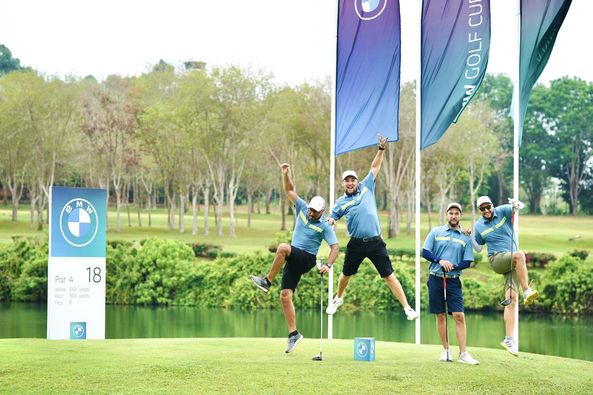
(550, 335)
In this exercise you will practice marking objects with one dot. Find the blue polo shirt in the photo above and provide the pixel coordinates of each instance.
(308, 233)
(360, 210)
(498, 232)
(449, 244)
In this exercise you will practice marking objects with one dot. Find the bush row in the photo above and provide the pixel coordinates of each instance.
(166, 272)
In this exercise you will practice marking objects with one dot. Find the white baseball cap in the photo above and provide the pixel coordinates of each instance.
(349, 173)
(482, 200)
(456, 205)
(317, 203)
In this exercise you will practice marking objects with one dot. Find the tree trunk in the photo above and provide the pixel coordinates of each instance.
(283, 214)
(194, 206)
(269, 200)
(182, 212)
(249, 208)
(137, 202)
(231, 200)
(126, 201)
(206, 194)
(117, 209)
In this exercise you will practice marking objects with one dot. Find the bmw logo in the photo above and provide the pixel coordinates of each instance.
(362, 349)
(369, 9)
(78, 330)
(79, 222)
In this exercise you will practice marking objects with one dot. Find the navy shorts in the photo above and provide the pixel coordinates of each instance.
(436, 301)
(298, 263)
(375, 250)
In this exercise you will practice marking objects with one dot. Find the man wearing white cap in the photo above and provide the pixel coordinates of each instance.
(495, 228)
(449, 251)
(360, 209)
(300, 256)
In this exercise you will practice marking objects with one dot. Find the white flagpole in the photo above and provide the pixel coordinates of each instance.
(516, 102)
(418, 170)
(332, 174)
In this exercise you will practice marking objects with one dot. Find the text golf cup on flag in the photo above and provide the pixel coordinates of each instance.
(455, 49)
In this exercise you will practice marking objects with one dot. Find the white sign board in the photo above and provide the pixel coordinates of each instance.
(76, 265)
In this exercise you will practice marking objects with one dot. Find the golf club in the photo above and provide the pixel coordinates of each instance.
(509, 283)
(446, 329)
(320, 356)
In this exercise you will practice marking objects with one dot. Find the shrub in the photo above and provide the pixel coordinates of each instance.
(281, 237)
(567, 287)
(206, 250)
(581, 254)
(539, 259)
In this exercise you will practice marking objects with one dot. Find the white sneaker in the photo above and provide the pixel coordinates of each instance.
(510, 346)
(411, 314)
(446, 356)
(530, 295)
(333, 306)
(467, 359)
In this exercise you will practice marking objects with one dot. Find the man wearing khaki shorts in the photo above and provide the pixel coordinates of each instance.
(495, 228)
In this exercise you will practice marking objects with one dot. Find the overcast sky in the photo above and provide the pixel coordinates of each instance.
(293, 39)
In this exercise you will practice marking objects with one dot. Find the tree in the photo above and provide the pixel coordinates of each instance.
(567, 113)
(537, 151)
(15, 152)
(399, 158)
(8, 63)
(497, 91)
(109, 121)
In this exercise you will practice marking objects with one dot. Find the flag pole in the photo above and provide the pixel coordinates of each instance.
(418, 174)
(332, 170)
(516, 126)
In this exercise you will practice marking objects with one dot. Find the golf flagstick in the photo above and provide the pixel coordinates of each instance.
(320, 356)
(509, 283)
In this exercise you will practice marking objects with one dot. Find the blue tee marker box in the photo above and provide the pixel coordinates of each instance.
(364, 348)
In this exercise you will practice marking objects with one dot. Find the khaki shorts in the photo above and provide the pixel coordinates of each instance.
(501, 264)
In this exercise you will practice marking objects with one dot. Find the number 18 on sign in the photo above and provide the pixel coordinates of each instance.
(76, 266)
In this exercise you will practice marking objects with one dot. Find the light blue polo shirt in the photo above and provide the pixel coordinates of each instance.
(360, 210)
(449, 244)
(308, 233)
(498, 232)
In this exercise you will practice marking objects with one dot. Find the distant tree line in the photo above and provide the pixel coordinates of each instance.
(211, 138)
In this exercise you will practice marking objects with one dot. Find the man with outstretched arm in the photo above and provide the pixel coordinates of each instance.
(449, 251)
(495, 228)
(300, 256)
(359, 207)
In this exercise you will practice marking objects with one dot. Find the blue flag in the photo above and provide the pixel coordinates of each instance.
(540, 23)
(367, 75)
(455, 49)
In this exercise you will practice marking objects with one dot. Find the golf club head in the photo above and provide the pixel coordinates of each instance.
(506, 302)
(317, 358)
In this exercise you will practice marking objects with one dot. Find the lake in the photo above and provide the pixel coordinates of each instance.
(570, 337)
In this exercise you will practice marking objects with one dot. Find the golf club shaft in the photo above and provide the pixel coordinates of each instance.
(321, 313)
(445, 297)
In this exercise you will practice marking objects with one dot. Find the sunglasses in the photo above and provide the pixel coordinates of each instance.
(486, 207)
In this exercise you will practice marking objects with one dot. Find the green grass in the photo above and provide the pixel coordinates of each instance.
(537, 233)
(259, 365)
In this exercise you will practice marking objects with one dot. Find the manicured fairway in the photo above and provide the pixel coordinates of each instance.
(259, 365)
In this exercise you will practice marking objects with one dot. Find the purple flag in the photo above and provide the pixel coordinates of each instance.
(455, 48)
(367, 75)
